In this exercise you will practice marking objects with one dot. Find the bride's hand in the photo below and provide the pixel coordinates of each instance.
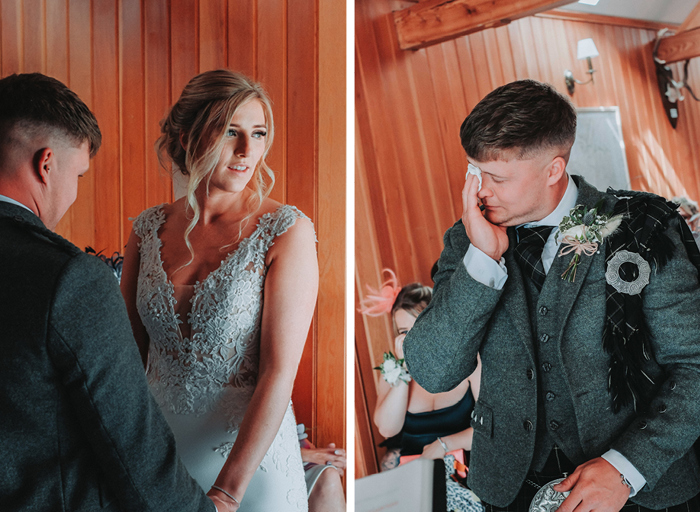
(222, 502)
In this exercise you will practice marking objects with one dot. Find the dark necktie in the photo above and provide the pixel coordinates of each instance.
(528, 252)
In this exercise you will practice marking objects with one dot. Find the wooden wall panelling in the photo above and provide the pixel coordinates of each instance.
(33, 30)
(134, 149)
(213, 36)
(300, 187)
(242, 47)
(106, 103)
(57, 39)
(184, 44)
(331, 337)
(422, 169)
(157, 78)
(11, 55)
(79, 222)
(272, 72)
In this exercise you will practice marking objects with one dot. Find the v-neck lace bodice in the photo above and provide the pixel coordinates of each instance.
(188, 374)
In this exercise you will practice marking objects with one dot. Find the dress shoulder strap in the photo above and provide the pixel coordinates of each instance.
(278, 222)
(149, 221)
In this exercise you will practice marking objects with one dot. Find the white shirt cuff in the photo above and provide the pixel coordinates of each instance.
(626, 469)
(485, 269)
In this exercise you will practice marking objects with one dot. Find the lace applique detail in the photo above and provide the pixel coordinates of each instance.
(188, 375)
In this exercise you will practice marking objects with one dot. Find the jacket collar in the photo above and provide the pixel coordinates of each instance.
(20, 214)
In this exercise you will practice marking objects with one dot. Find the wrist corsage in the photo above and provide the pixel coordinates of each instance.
(393, 370)
(581, 233)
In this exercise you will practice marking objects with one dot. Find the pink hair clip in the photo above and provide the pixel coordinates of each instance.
(378, 302)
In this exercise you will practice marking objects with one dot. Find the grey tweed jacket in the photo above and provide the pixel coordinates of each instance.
(466, 317)
(79, 429)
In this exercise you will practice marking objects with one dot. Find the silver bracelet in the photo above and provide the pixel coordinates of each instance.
(226, 493)
(444, 446)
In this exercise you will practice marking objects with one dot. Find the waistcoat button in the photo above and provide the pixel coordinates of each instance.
(550, 396)
(544, 338)
(530, 373)
(553, 425)
(527, 425)
(546, 367)
(543, 310)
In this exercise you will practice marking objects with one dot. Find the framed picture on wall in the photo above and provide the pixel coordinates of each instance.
(599, 151)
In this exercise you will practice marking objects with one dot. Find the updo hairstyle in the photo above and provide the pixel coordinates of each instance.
(193, 135)
(412, 298)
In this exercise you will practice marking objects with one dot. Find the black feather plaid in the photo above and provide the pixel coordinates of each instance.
(626, 336)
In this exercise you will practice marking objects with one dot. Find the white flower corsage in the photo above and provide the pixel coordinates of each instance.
(581, 233)
(393, 370)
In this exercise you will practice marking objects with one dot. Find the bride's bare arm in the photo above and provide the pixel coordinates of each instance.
(291, 286)
(129, 284)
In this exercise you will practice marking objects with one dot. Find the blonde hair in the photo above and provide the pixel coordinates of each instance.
(193, 136)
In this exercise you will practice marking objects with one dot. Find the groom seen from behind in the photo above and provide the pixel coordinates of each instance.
(79, 429)
(582, 305)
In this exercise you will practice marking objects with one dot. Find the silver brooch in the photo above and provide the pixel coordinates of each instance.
(547, 499)
(612, 275)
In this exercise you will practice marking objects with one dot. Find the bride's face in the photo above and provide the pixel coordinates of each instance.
(244, 145)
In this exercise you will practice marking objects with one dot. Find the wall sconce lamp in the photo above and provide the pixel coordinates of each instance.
(586, 50)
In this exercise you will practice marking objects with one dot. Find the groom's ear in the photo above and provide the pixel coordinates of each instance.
(556, 170)
(43, 164)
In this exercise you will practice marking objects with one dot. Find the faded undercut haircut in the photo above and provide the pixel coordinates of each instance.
(41, 106)
(519, 119)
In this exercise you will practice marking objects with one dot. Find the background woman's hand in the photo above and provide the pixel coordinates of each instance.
(326, 456)
(491, 239)
(433, 450)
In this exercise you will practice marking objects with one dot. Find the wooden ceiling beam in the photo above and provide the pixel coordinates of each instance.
(692, 21)
(682, 46)
(434, 21)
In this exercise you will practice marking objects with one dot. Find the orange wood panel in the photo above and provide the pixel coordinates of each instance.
(106, 103)
(132, 126)
(272, 59)
(603, 20)
(157, 73)
(81, 216)
(10, 11)
(213, 34)
(242, 47)
(299, 183)
(409, 105)
(33, 29)
(184, 44)
(330, 354)
(57, 39)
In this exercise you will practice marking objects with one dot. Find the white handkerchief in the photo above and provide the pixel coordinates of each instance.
(473, 169)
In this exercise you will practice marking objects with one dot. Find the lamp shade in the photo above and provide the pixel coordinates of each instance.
(586, 48)
(588, 2)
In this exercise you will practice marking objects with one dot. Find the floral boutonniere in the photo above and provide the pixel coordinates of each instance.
(581, 233)
(393, 370)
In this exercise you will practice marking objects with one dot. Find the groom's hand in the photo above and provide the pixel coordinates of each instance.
(492, 240)
(595, 485)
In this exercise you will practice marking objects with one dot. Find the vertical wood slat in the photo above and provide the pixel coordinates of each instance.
(81, 216)
(300, 188)
(213, 35)
(242, 49)
(34, 31)
(271, 68)
(10, 14)
(391, 93)
(106, 106)
(132, 126)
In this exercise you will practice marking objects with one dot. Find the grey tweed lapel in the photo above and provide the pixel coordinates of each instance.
(514, 297)
(566, 291)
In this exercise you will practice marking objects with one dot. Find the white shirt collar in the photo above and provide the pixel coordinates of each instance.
(568, 201)
(12, 201)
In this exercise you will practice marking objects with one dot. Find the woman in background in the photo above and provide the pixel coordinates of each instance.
(413, 421)
(221, 361)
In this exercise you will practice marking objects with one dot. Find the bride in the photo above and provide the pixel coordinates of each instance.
(221, 287)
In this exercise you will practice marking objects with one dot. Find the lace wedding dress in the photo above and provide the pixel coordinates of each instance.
(203, 360)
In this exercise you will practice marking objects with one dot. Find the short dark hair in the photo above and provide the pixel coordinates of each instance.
(523, 117)
(39, 104)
